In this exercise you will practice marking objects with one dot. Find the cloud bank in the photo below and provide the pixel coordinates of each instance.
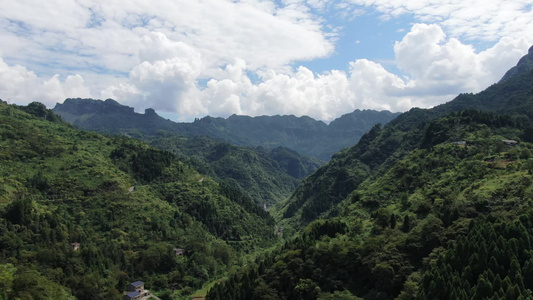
(19, 85)
(436, 69)
(220, 57)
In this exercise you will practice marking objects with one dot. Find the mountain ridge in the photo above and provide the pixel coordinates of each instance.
(437, 204)
(525, 64)
(268, 176)
(382, 146)
(127, 205)
(302, 134)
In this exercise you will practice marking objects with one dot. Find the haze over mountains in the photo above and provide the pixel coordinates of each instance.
(302, 134)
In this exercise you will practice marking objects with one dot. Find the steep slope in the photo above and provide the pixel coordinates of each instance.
(127, 204)
(524, 65)
(268, 176)
(302, 134)
(381, 147)
(446, 220)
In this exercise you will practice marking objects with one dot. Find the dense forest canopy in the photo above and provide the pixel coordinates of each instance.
(128, 206)
(437, 204)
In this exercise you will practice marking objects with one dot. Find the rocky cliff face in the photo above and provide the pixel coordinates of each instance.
(72, 109)
(80, 106)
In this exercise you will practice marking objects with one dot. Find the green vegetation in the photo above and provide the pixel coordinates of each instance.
(509, 103)
(493, 261)
(127, 204)
(268, 176)
(437, 204)
(395, 227)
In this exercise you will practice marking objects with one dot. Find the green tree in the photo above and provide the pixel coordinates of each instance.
(7, 275)
(483, 289)
(307, 289)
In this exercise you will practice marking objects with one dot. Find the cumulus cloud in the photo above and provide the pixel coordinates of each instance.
(165, 79)
(221, 57)
(437, 65)
(17, 84)
(437, 68)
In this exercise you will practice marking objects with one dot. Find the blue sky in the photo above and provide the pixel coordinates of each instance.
(364, 36)
(321, 58)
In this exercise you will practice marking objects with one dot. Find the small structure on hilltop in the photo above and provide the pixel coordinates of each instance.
(135, 291)
(179, 251)
(137, 286)
(510, 142)
(75, 246)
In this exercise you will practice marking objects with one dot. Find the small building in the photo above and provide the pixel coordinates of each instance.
(132, 296)
(510, 142)
(137, 286)
(75, 246)
(179, 251)
(459, 143)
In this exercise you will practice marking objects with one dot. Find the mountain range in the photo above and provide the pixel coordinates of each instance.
(265, 156)
(436, 204)
(303, 134)
(381, 147)
(126, 205)
(429, 206)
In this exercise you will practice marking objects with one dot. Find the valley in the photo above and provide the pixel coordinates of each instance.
(429, 204)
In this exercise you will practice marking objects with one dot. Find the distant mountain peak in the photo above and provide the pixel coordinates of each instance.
(525, 64)
(303, 134)
(81, 106)
(150, 112)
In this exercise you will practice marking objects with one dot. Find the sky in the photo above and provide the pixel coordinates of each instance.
(321, 58)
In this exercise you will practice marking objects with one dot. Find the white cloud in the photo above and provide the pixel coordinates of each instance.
(110, 34)
(19, 85)
(165, 79)
(439, 68)
(487, 20)
(198, 57)
(438, 65)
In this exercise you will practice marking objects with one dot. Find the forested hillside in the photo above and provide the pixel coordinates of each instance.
(382, 146)
(396, 235)
(438, 204)
(267, 175)
(128, 205)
